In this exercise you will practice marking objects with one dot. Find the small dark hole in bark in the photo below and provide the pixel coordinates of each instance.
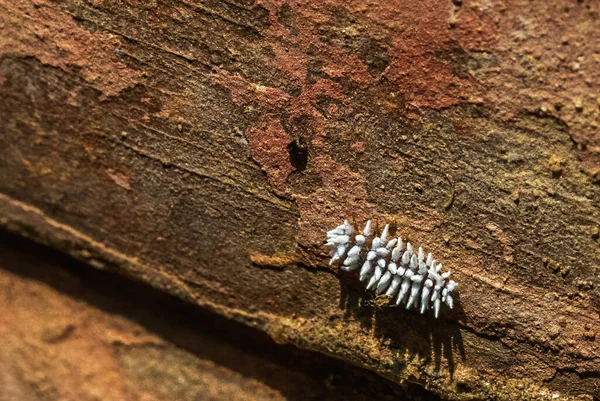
(298, 153)
(463, 388)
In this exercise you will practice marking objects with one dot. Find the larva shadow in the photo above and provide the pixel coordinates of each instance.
(392, 267)
(411, 289)
(185, 338)
(419, 336)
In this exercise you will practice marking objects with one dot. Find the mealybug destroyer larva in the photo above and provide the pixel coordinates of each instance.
(391, 268)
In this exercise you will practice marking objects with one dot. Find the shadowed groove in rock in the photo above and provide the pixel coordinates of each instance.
(193, 337)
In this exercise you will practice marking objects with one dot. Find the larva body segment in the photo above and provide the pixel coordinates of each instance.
(339, 239)
(392, 268)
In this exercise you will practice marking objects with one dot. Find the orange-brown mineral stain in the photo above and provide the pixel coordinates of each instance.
(278, 260)
(359, 147)
(268, 146)
(118, 178)
(342, 195)
(54, 38)
(434, 56)
(244, 92)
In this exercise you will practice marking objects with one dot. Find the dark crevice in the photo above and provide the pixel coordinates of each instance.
(298, 151)
(205, 334)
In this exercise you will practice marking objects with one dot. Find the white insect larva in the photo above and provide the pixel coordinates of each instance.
(352, 260)
(367, 268)
(391, 269)
(405, 286)
(338, 239)
(382, 255)
(416, 283)
(393, 288)
(425, 295)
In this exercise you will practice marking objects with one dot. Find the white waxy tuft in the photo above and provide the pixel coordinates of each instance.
(340, 239)
(374, 278)
(425, 295)
(382, 252)
(405, 286)
(436, 307)
(390, 268)
(413, 263)
(414, 291)
(422, 267)
(365, 270)
(449, 301)
(367, 230)
(393, 288)
(385, 232)
(396, 253)
(384, 282)
(405, 259)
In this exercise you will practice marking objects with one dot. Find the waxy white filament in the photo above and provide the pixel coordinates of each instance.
(391, 268)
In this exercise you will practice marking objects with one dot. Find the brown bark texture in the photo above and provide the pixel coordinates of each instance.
(73, 333)
(205, 147)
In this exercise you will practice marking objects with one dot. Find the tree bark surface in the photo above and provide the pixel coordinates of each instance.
(205, 147)
(73, 333)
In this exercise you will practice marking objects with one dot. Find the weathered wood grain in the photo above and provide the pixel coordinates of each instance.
(74, 333)
(205, 147)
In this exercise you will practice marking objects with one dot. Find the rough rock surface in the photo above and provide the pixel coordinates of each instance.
(71, 333)
(205, 147)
